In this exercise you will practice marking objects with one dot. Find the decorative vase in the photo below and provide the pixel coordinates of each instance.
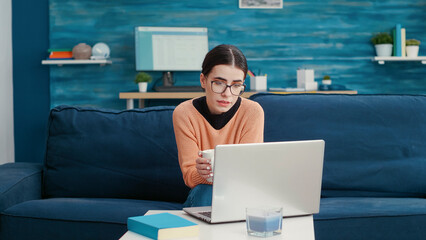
(384, 50)
(326, 81)
(81, 51)
(412, 51)
(142, 86)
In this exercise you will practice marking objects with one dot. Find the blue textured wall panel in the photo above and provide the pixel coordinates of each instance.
(31, 100)
(332, 37)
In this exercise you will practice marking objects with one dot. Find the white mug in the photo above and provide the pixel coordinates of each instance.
(209, 154)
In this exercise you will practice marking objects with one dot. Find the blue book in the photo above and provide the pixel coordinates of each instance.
(162, 226)
(397, 40)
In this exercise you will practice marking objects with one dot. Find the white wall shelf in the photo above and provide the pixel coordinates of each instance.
(382, 60)
(64, 62)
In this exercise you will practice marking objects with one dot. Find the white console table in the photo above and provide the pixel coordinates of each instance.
(300, 228)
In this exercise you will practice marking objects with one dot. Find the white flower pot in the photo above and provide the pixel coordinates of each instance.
(412, 51)
(142, 86)
(326, 81)
(384, 50)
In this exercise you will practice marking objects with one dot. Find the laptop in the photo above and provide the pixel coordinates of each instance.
(274, 174)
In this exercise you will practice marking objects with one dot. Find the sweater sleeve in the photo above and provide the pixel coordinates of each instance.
(254, 124)
(187, 146)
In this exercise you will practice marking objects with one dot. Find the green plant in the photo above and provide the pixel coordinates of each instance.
(326, 77)
(143, 77)
(382, 38)
(412, 42)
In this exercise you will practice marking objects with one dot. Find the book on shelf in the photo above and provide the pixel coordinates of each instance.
(394, 42)
(60, 55)
(55, 59)
(162, 226)
(403, 42)
(397, 41)
(59, 50)
(287, 89)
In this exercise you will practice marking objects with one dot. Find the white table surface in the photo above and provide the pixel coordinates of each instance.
(300, 228)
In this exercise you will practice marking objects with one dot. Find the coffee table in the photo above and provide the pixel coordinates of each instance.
(301, 228)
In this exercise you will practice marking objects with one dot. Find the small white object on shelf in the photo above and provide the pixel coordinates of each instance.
(100, 50)
(383, 50)
(412, 51)
(86, 61)
(382, 60)
(306, 79)
(258, 83)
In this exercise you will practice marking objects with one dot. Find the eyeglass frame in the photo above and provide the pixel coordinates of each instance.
(226, 87)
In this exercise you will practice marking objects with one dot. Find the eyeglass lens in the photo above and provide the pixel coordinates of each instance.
(220, 87)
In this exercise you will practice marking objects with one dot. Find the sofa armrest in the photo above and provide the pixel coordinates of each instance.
(19, 182)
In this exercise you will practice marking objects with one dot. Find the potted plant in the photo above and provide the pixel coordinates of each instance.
(326, 80)
(142, 79)
(412, 47)
(383, 43)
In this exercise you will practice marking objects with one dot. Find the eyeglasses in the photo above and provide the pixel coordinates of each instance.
(220, 87)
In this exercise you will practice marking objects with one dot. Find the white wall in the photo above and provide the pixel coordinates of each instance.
(6, 88)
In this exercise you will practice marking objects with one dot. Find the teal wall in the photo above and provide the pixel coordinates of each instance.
(31, 99)
(332, 37)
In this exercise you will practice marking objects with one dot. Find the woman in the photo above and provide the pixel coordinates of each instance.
(221, 117)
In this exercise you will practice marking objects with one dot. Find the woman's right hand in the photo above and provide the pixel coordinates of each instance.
(203, 167)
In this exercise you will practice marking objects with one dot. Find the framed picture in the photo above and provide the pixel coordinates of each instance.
(261, 3)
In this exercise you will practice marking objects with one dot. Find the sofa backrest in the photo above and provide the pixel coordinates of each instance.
(375, 144)
(112, 154)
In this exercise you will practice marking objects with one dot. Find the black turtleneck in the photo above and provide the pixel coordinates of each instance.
(216, 121)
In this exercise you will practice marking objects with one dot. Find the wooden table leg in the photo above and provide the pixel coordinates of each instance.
(141, 103)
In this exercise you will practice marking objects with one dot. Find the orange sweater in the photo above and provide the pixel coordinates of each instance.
(194, 133)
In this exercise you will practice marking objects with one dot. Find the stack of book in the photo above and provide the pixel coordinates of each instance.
(159, 226)
(60, 54)
(399, 41)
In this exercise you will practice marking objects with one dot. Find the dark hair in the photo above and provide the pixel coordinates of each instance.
(226, 55)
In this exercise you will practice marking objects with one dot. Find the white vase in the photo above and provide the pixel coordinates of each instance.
(326, 81)
(384, 50)
(412, 51)
(142, 86)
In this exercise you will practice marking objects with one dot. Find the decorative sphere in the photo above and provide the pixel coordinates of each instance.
(100, 50)
(81, 51)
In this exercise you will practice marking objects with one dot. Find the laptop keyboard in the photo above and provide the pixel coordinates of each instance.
(207, 214)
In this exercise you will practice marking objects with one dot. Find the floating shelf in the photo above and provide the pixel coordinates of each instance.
(382, 60)
(62, 62)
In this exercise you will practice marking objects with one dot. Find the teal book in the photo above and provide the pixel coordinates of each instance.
(162, 226)
(398, 39)
(59, 50)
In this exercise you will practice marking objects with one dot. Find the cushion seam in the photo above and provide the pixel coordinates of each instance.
(321, 94)
(153, 109)
(63, 220)
(392, 216)
(24, 178)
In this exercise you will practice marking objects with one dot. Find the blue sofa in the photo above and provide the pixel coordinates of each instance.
(103, 166)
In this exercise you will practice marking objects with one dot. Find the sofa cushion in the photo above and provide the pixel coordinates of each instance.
(75, 218)
(359, 207)
(374, 144)
(113, 154)
(371, 218)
